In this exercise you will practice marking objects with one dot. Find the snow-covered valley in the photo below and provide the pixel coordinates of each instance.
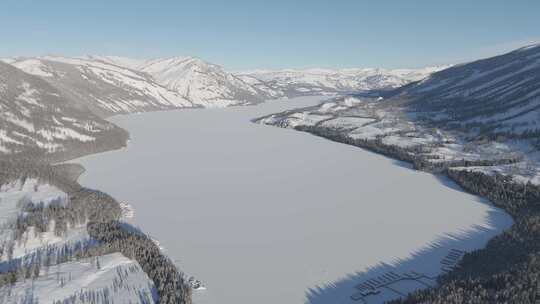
(267, 215)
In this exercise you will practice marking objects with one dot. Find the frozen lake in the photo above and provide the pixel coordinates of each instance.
(268, 215)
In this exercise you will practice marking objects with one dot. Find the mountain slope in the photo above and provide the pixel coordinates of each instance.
(104, 88)
(117, 279)
(498, 95)
(36, 119)
(324, 81)
(203, 83)
(118, 85)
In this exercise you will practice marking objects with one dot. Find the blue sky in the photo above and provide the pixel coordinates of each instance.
(251, 34)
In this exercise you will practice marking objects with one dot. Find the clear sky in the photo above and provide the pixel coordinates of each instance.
(247, 34)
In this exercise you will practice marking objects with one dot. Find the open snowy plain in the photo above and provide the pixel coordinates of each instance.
(270, 215)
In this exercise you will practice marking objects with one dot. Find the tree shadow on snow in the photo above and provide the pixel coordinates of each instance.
(424, 261)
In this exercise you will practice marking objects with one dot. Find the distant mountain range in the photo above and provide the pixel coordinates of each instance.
(292, 83)
(109, 85)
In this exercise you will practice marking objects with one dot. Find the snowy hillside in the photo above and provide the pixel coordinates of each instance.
(37, 118)
(30, 191)
(498, 95)
(369, 122)
(103, 87)
(15, 197)
(326, 81)
(203, 83)
(111, 278)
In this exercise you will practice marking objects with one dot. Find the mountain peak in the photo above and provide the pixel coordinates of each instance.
(205, 83)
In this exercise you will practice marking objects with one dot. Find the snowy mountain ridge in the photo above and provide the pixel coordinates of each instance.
(204, 82)
(294, 82)
(186, 81)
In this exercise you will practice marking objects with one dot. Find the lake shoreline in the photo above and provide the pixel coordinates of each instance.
(252, 118)
(476, 183)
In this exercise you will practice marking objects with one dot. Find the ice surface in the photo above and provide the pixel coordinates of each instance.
(268, 215)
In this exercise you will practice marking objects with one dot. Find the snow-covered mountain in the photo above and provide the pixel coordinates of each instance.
(326, 81)
(497, 95)
(203, 83)
(109, 85)
(103, 87)
(117, 85)
(36, 119)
